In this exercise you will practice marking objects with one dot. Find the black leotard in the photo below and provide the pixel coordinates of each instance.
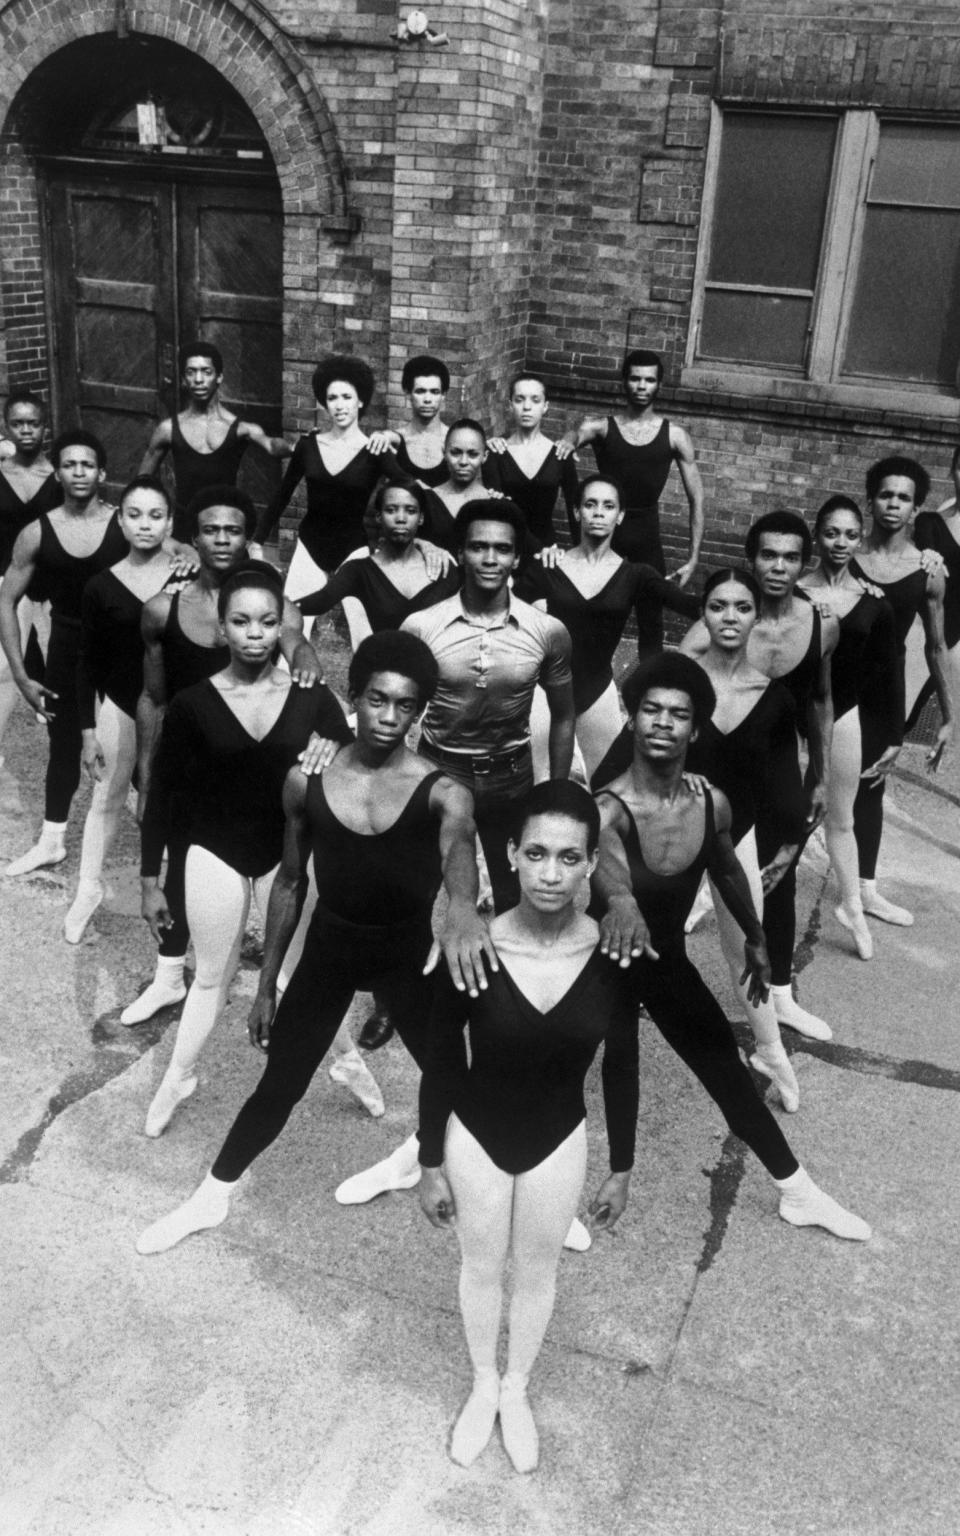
(802, 679)
(431, 477)
(665, 900)
(64, 575)
(867, 674)
(186, 661)
(756, 764)
(906, 597)
(227, 787)
(382, 880)
(333, 524)
(596, 623)
(930, 531)
(16, 514)
(111, 648)
(522, 1093)
(385, 605)
(536, 495)
(641, 472)
(193, 471)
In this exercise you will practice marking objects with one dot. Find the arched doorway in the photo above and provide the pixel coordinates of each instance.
(147, 245)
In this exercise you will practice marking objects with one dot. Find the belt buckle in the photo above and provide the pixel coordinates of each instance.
(482, 766)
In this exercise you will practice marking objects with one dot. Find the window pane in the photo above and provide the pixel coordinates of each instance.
(754, 328)
(905, 322)
(919, 166)
(771, 199)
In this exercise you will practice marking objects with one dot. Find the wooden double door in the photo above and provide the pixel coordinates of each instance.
(137, 267)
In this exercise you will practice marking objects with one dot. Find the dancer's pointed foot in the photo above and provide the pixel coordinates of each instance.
(856, 924)
(517, 1425)
(789, 1012)
(166, 989)
(85, 903)
(351, 1071)
(208, 1206)
(804, 1204)
(401, 1170)
(48, 850)
(875, 905)
(578, 1239)
(166, 1101)
(473, 1428)
(773, 1062)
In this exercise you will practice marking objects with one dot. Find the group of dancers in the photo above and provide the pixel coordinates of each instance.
(481, 703)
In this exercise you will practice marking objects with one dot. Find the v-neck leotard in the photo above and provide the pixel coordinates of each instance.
(522, 1093)
(867, 675)
(186, 662)
(111, 648)
(430, 477)
(15, 515)
(384, 604)
(194, 471)
(596, 623)
(756, 764)
(536, 494)
(333, 524)
(226, 786)
(930, 531)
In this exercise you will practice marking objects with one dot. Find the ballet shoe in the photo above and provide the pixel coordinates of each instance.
(166, 1102)
(857, 926)
(578, 1239)
(352, 1072)
(88, 898)
(517, 1426)
(472, 1431)
(789, 1012)
(43, 855)
(158, 995)
(804, 1204)
(208, 1206)
(875, 905)
(776, 1066)
(376, 1031)
(394, 1172)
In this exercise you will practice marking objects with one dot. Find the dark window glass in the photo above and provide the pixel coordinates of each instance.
(754, 328)
(905, 321)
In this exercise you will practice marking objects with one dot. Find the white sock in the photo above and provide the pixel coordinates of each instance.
(166, 988)
(789, 1012)
(772, 1061)
(208, 1206)
(401, 1170)
(803, 1204)
(48, 849)
(85, 903)
(517, 1426)
(877, 906)
(166, 1101)
(474, 1427)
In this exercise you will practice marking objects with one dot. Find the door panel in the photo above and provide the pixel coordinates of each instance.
(231, 274)
(140, 267)
(114, 310)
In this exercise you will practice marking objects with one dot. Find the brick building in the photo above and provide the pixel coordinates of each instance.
(768, 193)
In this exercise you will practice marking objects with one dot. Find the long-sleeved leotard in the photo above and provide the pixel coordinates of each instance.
(333, 523)
(930, 531)
(225, 785)
(596, 623)
(522, 1093)
(384, 604)
(536, 495)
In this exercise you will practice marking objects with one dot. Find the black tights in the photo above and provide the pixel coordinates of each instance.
(174, 940)
(338, 960)
(694, 1025)
(63, 763)
(779, 906)
(868, 825)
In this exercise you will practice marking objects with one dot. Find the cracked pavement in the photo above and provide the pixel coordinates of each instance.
(708, 1370)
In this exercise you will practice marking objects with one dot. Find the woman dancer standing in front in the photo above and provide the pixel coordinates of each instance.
(227, 745)
(525, 466)
(110, 679)
(867, 698)
(503, 1144)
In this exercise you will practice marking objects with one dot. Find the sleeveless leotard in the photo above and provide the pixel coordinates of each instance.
(185, 661)
(930, 531)
(386, 880)
(110, 664)
(642, 473)
(905, 596)
(385, 606)
(64, 576)
(193, 471)
(756, 764)
(665, 900)
(15, 514)
(431, 477)
(522, 1094)
(596, 623)
(866, 674)
(536, 495)
(803, 678)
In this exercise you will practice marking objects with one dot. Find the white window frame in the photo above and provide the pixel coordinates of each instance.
(858, 135)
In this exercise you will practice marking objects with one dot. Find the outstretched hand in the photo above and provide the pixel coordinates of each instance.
(623, 933)
(35, 695)
(464, 941)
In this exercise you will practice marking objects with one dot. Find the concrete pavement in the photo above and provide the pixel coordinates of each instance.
(708, 1370)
